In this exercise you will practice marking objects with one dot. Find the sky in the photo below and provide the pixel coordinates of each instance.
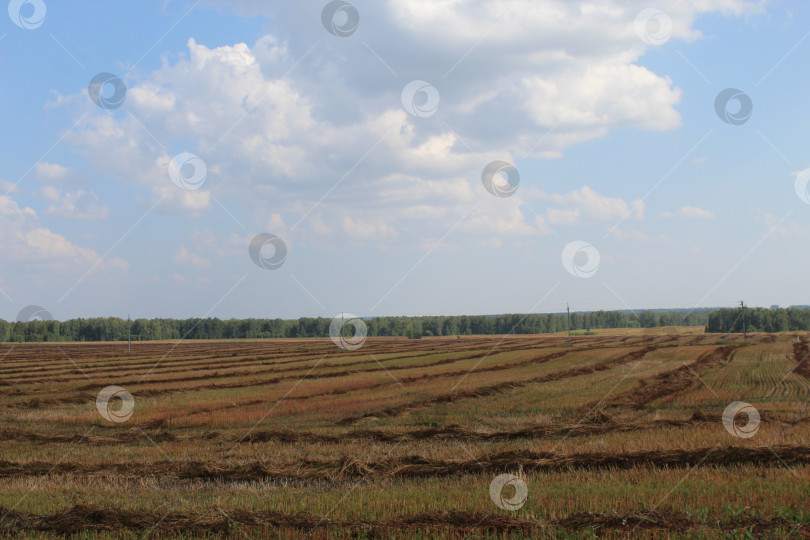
(248, 158)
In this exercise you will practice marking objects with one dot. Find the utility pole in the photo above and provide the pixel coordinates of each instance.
(742, 306)
(129, 332)
(568, 308)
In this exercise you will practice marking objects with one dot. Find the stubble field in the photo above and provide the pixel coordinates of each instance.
(619, 434)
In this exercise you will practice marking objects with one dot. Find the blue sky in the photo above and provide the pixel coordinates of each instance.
(607, 112)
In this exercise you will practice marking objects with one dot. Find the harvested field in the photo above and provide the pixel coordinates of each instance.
(619, 434)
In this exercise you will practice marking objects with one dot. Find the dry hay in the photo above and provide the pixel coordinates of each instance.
(493, 389)
(347, 468)
(83, 518)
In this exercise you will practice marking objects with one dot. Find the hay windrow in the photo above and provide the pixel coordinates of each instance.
(597, 424)
(83, 518)
(673, 382)
(493, 389)
(801, 354)
(611, 431)
(346, 468)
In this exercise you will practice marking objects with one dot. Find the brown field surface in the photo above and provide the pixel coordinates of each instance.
(618, 435)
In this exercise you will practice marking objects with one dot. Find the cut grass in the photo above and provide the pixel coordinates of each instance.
(619, 435)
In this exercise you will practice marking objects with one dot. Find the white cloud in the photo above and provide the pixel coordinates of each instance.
(601, 96)
(11, 211)
(632, 234)
(495, 217)
(774, 225)
(55, 174)
(276, 223)
(184, 257)
(9, 188)
(220, 245)
(26, 242)
(51, 171)
(73, 205)
(358, 228)
(281, 141)
(587, 204)
(689, 212)
(637, 235)
(563, 216)
(181, 201)
(319, 226)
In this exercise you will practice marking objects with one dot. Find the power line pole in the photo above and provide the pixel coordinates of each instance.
(129, 332)
(742, 306)
(568, 308)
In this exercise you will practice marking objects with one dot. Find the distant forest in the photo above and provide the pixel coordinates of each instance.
(115, 329)
(760, 319)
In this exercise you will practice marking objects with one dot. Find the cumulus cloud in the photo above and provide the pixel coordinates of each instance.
(276, 223)
(54, 174)
(689, 212)
(51, 171)
(587, 205)
(494, 220)
(220, 245)
(774, 225)
(9, 188)
(358, 228)
(26, 241)
(516, 79)
(80, 204)
(184, 257)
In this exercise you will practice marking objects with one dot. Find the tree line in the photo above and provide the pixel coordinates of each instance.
(759, 320)
(116, 329)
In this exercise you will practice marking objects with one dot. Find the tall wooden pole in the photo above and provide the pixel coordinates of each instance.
(129, 332)
(568, 308)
